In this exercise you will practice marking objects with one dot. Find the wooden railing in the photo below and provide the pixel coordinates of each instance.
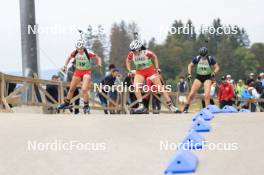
(36, 88)
(38, 94)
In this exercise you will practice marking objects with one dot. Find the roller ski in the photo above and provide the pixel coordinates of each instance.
(65, 105)
(86, 109)
(173, 108)
(140, 110)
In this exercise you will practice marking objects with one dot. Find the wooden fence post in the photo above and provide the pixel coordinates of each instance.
(123, 102)
(61, 92)
(1, 97)
(3, 93)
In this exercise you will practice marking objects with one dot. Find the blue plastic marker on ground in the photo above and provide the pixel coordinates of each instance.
(183, 162)
(214, 109)
(205, 114)
(200, 125)
(229, 109)
(244, 110)
(193, 141)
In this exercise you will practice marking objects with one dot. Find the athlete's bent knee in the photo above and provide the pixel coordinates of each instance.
(192, 95)
(72, 90)
(84, 91)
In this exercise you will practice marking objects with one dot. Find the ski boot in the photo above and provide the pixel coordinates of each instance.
(186, 109)
(174, 109)
(140, 110)
(86, 109)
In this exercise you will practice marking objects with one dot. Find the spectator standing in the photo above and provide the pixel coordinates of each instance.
(182, 88)
(230, 80)
(238, 90)
(53, 91)
(251, 79)
(262, 78)
(258, 85)
(261, 104)
(110, 68)
(10, 88)
(226, 93)
(110, 81)
(245, 95)
(254, 94)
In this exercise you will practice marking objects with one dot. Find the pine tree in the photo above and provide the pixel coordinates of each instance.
(120, 39)
(152, 43)
(258, 50)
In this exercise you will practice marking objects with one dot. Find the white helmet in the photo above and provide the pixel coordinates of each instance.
(135, 45)
(80, 44)
(228, 76)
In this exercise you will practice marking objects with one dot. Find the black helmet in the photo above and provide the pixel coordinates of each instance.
(203, 51)
(223, 78)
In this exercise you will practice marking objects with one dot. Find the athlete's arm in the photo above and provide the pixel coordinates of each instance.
(156, 61)
(128, 61)
(67, 62)
(98, 60)
(154, 58)
(216, 68)
(190, 68)
(128, 64)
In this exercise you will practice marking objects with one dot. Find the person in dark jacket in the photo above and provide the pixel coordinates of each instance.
(109, 81)
(182, 89)
(251, 79)
(10, 88)
(53, 91)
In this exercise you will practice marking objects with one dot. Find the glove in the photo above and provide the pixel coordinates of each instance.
(189, 77)
(158, 70)
(131, 73)
(213, 75)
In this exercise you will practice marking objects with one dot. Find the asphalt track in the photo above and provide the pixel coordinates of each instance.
(132, 144)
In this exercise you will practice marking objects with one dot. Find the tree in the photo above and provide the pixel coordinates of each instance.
(225, 59)
(213, 37)
(120, 39)
(240, 39)
(247, 60)
(258, 50)
(191, 31)
(152, 43)
(132, 29)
